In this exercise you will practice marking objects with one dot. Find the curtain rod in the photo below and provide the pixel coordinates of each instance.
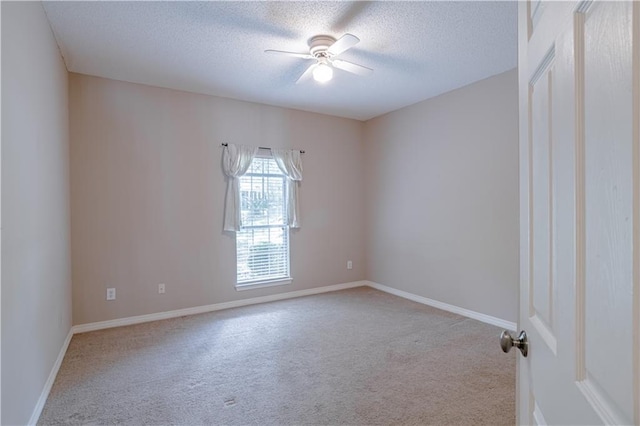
(261, 147)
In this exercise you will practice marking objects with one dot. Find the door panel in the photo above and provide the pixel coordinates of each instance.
(542, 292)
(580, 212)
(608, 204)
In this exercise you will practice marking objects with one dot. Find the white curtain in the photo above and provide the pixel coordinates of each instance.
(236, 160)
(290, 163)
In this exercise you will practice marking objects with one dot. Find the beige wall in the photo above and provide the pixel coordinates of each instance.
(147, 196)
(442, 198)
(36, 280)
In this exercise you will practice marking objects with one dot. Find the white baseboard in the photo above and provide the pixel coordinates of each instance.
(83, 328)
(446, 307)
(49, 383)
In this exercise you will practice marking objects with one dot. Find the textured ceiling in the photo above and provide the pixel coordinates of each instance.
(417, 49)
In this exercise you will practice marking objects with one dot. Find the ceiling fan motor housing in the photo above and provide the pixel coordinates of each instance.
(319, 45)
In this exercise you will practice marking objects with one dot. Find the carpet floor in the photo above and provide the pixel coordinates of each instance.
(358, 357)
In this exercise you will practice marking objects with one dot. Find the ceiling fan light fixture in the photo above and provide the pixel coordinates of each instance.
(322, 73)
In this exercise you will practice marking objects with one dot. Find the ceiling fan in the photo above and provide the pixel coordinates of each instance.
(324, 50)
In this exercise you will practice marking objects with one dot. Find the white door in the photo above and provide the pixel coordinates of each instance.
(579, 69)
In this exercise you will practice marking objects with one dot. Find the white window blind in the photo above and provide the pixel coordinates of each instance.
(262, 245)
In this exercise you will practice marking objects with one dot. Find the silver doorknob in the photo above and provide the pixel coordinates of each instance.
(507, 342)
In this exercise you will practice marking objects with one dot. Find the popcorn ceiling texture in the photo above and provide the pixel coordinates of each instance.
(417, 49)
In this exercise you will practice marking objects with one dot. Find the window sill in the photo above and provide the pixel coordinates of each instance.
(261, 284)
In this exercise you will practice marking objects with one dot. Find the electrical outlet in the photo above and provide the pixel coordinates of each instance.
(111, 294)
(161, 288)
(349, 264)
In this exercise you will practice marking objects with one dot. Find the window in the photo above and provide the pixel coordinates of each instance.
(262, 245)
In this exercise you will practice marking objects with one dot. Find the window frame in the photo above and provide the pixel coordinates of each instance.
(271, 281)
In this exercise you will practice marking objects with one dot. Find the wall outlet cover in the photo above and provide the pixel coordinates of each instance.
(111, 294)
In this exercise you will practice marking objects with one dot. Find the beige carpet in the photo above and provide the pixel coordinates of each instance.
(355, 357)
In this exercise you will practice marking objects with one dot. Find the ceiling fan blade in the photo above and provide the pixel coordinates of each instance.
(345, 42)
(307, 74)
(351, 67)
(293, 54)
